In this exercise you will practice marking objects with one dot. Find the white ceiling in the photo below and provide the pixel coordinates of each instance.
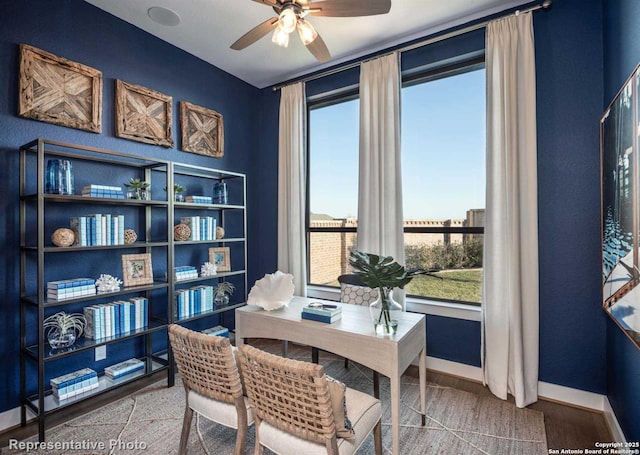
(209, 27)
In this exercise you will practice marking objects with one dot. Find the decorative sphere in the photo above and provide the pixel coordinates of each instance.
(182, 232)
(130, 236)
(219, 232)
(63, 237)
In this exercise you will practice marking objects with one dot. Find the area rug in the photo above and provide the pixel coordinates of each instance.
(458, 422)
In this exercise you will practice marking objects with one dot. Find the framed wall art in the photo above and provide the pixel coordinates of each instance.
(619, 143)
(202, 130)
(56, 90)
(220, 257)
(136, 269)
(143, 115)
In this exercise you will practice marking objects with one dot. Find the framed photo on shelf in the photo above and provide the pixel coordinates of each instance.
(220, 257)
(136, 269)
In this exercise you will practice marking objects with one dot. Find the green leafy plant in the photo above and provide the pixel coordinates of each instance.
(177, 188)
(384, 273)
(138, 186)
(380, 271)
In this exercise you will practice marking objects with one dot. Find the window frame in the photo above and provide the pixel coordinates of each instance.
(422, 304)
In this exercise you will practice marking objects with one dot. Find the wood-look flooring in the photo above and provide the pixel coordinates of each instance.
(567, 427)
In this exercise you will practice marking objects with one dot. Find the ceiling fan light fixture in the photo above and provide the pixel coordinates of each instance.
(306, 31)
(287, 20)
(280, 37)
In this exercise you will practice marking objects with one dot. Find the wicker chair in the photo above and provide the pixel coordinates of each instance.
(212, 383)
(293, 408)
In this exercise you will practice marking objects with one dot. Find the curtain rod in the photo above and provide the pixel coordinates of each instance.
(544, 5)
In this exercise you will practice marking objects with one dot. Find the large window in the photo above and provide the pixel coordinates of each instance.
(443, 182)
(333, 187)
(443, 179)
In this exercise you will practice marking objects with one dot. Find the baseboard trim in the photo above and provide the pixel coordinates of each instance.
(553, 392)
(10, 419)
(612, 422)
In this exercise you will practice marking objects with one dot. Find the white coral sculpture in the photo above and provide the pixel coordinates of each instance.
(273, 291)
(208, 269)
(108, 283)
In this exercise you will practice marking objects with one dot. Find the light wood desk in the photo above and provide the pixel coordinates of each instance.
(352, 337)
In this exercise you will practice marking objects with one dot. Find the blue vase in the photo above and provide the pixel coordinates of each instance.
(59, 177)
(220, 193)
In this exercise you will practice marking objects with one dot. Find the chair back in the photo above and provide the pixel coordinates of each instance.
(206, 364)
(353, 290)
(290, 395)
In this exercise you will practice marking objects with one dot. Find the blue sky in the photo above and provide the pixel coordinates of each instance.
(443, 143)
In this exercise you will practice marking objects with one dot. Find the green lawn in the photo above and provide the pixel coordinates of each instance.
(464, 285)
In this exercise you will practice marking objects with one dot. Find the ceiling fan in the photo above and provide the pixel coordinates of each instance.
(291, 16)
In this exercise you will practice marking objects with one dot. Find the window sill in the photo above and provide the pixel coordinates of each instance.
(432, 307)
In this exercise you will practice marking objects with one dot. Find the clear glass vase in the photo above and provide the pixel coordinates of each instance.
(59, 339)
(384, 312)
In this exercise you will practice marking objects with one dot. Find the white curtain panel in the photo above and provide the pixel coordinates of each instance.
(380, 218)
(510, 297)
(291, 186)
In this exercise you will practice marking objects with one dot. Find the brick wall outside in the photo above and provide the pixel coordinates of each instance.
(329, 252)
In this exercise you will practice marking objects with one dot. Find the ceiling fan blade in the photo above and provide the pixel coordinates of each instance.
(351, 8)
(319, 49)
(267, 2)
(255, 34)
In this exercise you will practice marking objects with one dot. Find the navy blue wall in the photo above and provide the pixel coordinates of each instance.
(569, 59)
(569, 86)
(569, 89)
(621, 56)
(80, 32)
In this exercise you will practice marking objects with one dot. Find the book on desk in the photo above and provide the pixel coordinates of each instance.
(327, 313)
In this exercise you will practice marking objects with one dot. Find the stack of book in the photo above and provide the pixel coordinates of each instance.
(202, 227)
(107, 191)
(190, 302)
(322, 313)
(199, 199)
(71, 289)
(116, 318)
(217, 331)
(98, 229)
(75, 383)
(125, 368)
(185, 272)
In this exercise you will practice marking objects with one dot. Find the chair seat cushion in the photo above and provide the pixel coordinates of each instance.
(363, 410)
(218, 411)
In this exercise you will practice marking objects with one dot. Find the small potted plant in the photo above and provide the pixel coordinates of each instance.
(384, 273)
(62, 329)
(222, 292)
(138, 189)
(177, 192)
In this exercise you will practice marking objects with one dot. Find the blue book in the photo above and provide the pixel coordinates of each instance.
(116, 308)
(121, 229)
(320, 318)
(121, 311)
(145, 308)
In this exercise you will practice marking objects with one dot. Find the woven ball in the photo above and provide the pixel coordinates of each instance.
(63, 237)
(182, 232)
(219, 232)
(130, 236)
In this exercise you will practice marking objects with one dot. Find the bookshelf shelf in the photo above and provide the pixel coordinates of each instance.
(105, 384)
(41, 213)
